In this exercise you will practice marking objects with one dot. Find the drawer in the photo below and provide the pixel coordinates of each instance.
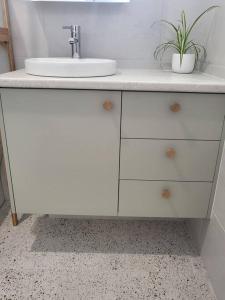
(168, 159)
(172, 115)
(164, 199)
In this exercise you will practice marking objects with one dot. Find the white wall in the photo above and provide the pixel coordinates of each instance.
(120, 31)
(213, 248)
(216, 47)
(211, 235)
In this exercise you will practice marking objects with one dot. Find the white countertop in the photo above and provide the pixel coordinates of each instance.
(126, 79)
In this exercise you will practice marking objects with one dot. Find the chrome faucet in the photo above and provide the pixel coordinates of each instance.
(74, 39)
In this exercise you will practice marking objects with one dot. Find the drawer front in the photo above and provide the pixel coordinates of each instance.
(164, 199)
(168, 160)
(172, 115)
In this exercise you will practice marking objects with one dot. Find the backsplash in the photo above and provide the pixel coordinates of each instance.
(120, 31)
(216, 55)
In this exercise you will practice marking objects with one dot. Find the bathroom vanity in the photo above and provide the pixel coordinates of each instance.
(138, 144)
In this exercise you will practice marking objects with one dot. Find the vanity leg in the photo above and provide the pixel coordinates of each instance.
(14, 219)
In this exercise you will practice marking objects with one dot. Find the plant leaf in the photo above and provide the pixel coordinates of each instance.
(164, 47)
(199, 17)
(171, 24)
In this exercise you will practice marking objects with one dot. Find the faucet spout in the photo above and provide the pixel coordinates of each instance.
(74, 39)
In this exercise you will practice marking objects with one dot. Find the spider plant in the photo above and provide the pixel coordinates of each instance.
(183, 43)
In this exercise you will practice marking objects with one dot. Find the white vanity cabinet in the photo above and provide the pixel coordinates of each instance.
(63, 149)
(112, 153)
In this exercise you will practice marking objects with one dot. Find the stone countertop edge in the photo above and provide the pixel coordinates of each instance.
(124, 80)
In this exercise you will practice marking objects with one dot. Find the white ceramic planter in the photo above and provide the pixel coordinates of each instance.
(187, 65)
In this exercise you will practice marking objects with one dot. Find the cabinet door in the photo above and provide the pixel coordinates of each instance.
(64, 150)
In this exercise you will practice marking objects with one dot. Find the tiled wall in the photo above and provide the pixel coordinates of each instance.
(213, 249)
(211, 235)
(120, 31)
(216, 48)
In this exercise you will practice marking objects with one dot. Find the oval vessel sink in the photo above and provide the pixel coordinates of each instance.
(70, 67)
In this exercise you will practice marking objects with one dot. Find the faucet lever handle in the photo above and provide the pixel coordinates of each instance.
(73, 28)
(68, 27)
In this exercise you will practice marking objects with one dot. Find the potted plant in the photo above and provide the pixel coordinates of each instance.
(188, 52)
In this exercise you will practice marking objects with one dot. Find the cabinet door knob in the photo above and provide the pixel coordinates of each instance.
(108, 105)
(176, 107)
(166, 193)
(171, 153)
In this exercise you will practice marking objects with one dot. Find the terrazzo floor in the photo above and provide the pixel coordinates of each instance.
(48, 258)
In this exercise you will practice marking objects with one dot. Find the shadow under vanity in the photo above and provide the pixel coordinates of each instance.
(120, 146)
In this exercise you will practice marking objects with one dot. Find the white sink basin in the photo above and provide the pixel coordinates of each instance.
(70, 67)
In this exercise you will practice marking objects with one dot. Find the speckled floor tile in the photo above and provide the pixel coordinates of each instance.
(48, 258)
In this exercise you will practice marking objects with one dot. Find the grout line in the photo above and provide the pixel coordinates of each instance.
(219, 222)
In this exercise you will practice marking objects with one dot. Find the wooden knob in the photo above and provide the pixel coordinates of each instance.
(171, 153)
(166, 193)
(108, 105)
(175, 107)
